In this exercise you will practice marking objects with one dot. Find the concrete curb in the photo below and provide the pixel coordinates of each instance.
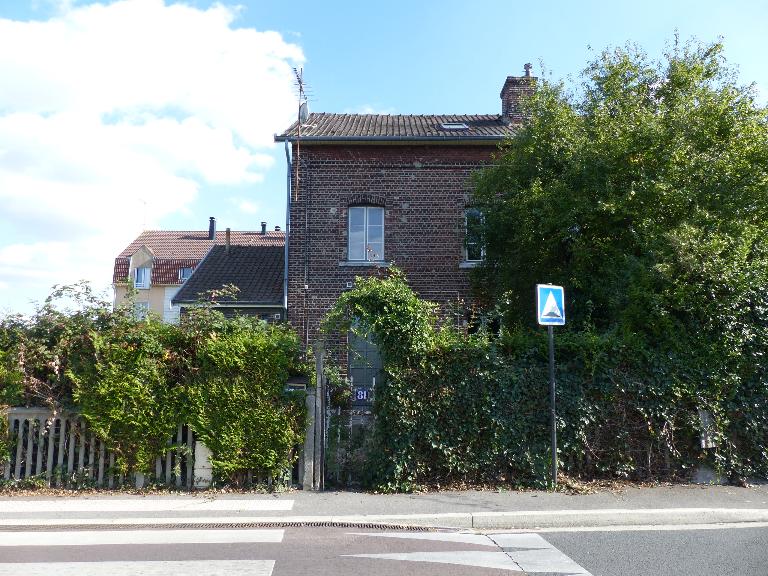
(518, 520)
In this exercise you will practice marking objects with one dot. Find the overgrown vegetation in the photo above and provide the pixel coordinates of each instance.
(646, 196)
(237, 403)
(473, 408)
(136, 380)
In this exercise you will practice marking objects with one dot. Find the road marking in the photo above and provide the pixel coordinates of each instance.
(122, 537)
(159, 568)
(497, 560)
(144, 505)
(534, 554)
(461, 537)
(139, 521)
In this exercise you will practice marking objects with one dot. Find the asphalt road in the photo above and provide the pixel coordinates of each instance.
(720, 552)
(354, 552)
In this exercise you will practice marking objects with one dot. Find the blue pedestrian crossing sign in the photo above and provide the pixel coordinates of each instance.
(550, 305)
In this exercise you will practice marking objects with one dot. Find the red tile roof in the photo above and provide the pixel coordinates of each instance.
(175, 249)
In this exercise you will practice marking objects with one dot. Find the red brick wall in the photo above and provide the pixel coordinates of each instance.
(424, 190)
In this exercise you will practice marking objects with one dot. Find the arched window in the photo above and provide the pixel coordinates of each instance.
(366, 233)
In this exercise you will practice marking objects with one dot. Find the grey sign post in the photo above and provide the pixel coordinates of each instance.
(550, 312)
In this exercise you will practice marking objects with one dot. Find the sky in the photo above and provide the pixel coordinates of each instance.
(130, 115)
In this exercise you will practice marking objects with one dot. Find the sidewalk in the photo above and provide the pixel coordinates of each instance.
(480, 510)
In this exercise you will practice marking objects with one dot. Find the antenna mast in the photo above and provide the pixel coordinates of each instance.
(301, 118)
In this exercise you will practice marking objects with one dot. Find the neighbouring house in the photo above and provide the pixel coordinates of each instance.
(373, 190)
(158, 262)
(255, 271)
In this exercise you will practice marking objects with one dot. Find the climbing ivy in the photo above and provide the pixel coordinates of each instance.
(473, 408)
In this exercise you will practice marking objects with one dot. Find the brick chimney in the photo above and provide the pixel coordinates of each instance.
(516, 89)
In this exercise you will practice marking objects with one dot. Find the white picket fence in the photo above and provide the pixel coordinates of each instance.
(63, 451)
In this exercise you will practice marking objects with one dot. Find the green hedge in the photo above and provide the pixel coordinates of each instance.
(474, 408)
(136, 380)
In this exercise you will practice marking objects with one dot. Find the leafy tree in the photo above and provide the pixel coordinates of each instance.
(646, 196)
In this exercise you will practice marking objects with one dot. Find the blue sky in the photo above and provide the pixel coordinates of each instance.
(120, 116)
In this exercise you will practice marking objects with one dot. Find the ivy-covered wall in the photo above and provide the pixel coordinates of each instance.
(473, 408)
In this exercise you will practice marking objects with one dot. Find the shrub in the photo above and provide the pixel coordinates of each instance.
(237, 402)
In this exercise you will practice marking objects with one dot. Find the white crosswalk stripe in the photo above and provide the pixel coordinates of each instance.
(124, 537)
(150, 568)
(90, 505)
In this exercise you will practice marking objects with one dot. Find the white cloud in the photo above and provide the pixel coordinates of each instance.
(246, 206)
(116, 114)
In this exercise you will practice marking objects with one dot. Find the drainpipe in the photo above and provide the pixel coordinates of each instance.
(287, 226)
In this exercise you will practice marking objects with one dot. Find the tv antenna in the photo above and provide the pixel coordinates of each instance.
(301, 86)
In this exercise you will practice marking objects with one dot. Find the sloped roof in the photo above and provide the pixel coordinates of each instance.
(175, 249)
(399, 127)
(195, 243)
(256, 270)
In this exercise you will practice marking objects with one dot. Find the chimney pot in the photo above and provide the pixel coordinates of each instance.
(277, 228)
(263, 227)
(211, 228)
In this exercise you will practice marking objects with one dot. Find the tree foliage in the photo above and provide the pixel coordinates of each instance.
(135, 380)
(646, 196)
(237, 402)
(466, 408)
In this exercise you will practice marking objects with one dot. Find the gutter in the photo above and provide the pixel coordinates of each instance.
(238, 304)
(425, 139)
(287, 225)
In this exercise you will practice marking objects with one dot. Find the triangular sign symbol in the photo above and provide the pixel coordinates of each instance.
(550, 307)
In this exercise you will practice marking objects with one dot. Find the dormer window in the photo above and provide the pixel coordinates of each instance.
(141, 278)
(184, 274)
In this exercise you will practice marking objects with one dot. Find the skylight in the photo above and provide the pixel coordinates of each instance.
(454, 126)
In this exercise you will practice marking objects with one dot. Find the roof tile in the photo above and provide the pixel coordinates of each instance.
(175, 249)
(256, 270)
(325, 126)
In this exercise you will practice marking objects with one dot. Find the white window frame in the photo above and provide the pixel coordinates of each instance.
(368, 256)
(465, 248)
(144, 283)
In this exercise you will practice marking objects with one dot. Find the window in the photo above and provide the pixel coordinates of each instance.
(473, 245)
(454, 126)
(141, 277)
(366, 233)
(184, 273)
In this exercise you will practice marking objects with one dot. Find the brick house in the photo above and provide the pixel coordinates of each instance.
(159, 262)
(372, 190)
